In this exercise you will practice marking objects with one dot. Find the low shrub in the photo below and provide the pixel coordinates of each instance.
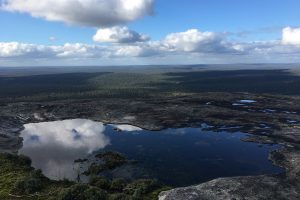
(119, 196)
(118, 184)
(140, 187)
(32, 184)
(83, 192)
(99, 182)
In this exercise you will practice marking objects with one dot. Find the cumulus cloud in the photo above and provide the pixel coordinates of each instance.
(15, 49)
(78, 50)
(128, 51)
(95, 13)
(140, 50)
(194, 40)
(72, 50)
(291, 36)
(119, 34)
(191, 43)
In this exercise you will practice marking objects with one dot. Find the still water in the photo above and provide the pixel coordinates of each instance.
(178, 157)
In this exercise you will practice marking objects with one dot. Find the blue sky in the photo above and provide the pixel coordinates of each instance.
(222, 15)
(232, 24)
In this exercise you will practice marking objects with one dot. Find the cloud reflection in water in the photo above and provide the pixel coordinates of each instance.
(53, 146)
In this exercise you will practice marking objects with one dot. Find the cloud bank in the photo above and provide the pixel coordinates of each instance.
(68, 50)
(94, 13)
(208, 47)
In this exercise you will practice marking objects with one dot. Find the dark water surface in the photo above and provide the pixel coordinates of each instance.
(179, 157)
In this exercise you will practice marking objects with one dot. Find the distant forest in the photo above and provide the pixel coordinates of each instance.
(145, 85)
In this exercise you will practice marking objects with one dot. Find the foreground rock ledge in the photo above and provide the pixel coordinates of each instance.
(260, 187)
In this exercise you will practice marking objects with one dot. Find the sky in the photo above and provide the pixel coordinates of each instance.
(144, 32)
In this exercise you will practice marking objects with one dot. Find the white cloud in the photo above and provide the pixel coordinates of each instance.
(188, 40)
(119, 34)
(95, 13)
(194, 40)
(15, 49)
(141, 50)
(291, 36)
(79, 50)
(74, 51)
(193, 45)
(128, 51)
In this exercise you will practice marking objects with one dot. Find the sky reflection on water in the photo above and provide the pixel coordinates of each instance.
(53, 146)
(179, 157)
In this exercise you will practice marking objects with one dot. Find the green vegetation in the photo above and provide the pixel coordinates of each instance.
(84, 191)
(77, 86)
(253, 81)
(20, 181)
(145, 85)
(29, 185)
(100, 182)
(110, 160)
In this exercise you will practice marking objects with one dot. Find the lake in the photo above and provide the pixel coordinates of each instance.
(175, 156)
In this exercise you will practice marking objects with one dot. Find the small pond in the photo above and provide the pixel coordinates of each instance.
(178, 157)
